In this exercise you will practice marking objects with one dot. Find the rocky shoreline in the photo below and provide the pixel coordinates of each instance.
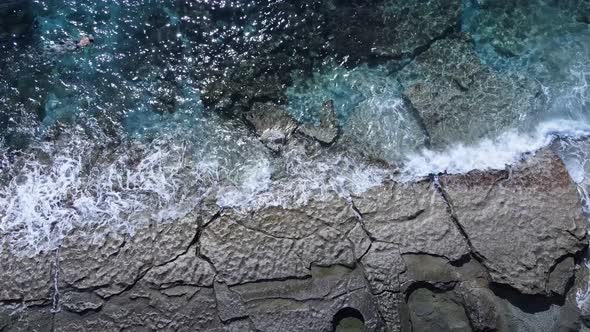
(497, 250)
(484, 251)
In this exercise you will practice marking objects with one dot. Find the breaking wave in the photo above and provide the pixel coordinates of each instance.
(492, 153)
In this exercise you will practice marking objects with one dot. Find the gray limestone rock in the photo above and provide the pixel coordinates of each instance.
(20, 318)
(521, 223)
(145, 309)
(271, 123)
(482, 307)
(113, 262)
(426, 256)
(360, 241)
(310, 304)
(188, 269)
(243, 254)
(81, 302)
(24, 278)
(413, 217)
(390, 304)
(383, 264)
(229, 303)
(437, 270)
(560, 276)
(277, 243)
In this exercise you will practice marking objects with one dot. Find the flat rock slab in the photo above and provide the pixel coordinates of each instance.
(113, 262)
(277, 243)
(522, 222)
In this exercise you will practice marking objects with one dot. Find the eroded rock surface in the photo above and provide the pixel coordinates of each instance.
(493, 251)
(536, 209)
(328, 130)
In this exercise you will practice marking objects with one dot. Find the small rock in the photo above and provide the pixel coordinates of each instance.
(560, 276)
(229, 303)
(272, 124)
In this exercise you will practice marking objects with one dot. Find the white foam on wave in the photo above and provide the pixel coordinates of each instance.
(298, 179)
(45, 200)
(76, 185)
(491, 153)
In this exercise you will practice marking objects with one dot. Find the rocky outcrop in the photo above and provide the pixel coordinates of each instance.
(535, 207)
(493, 251)
(272, 124)
(25, 278)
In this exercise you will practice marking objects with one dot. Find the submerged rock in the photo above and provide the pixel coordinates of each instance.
(432, 311)
(460, 99)
(368, 30)
(328, 130)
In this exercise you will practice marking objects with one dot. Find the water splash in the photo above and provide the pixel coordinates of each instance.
(491, 153)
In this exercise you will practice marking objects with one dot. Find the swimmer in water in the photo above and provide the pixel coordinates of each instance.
(85, 41)
(71, 45)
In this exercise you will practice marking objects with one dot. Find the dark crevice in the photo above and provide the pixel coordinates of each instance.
(456, 263)
(411, 217)
(527, 303)
(450, 209)
(197, 241)
(461, 261)
(231, 319)
(86, 312)
(260, 281)
(362, 222)
(358, 259)
(347, 313)
(211, 220)
(575, 236)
